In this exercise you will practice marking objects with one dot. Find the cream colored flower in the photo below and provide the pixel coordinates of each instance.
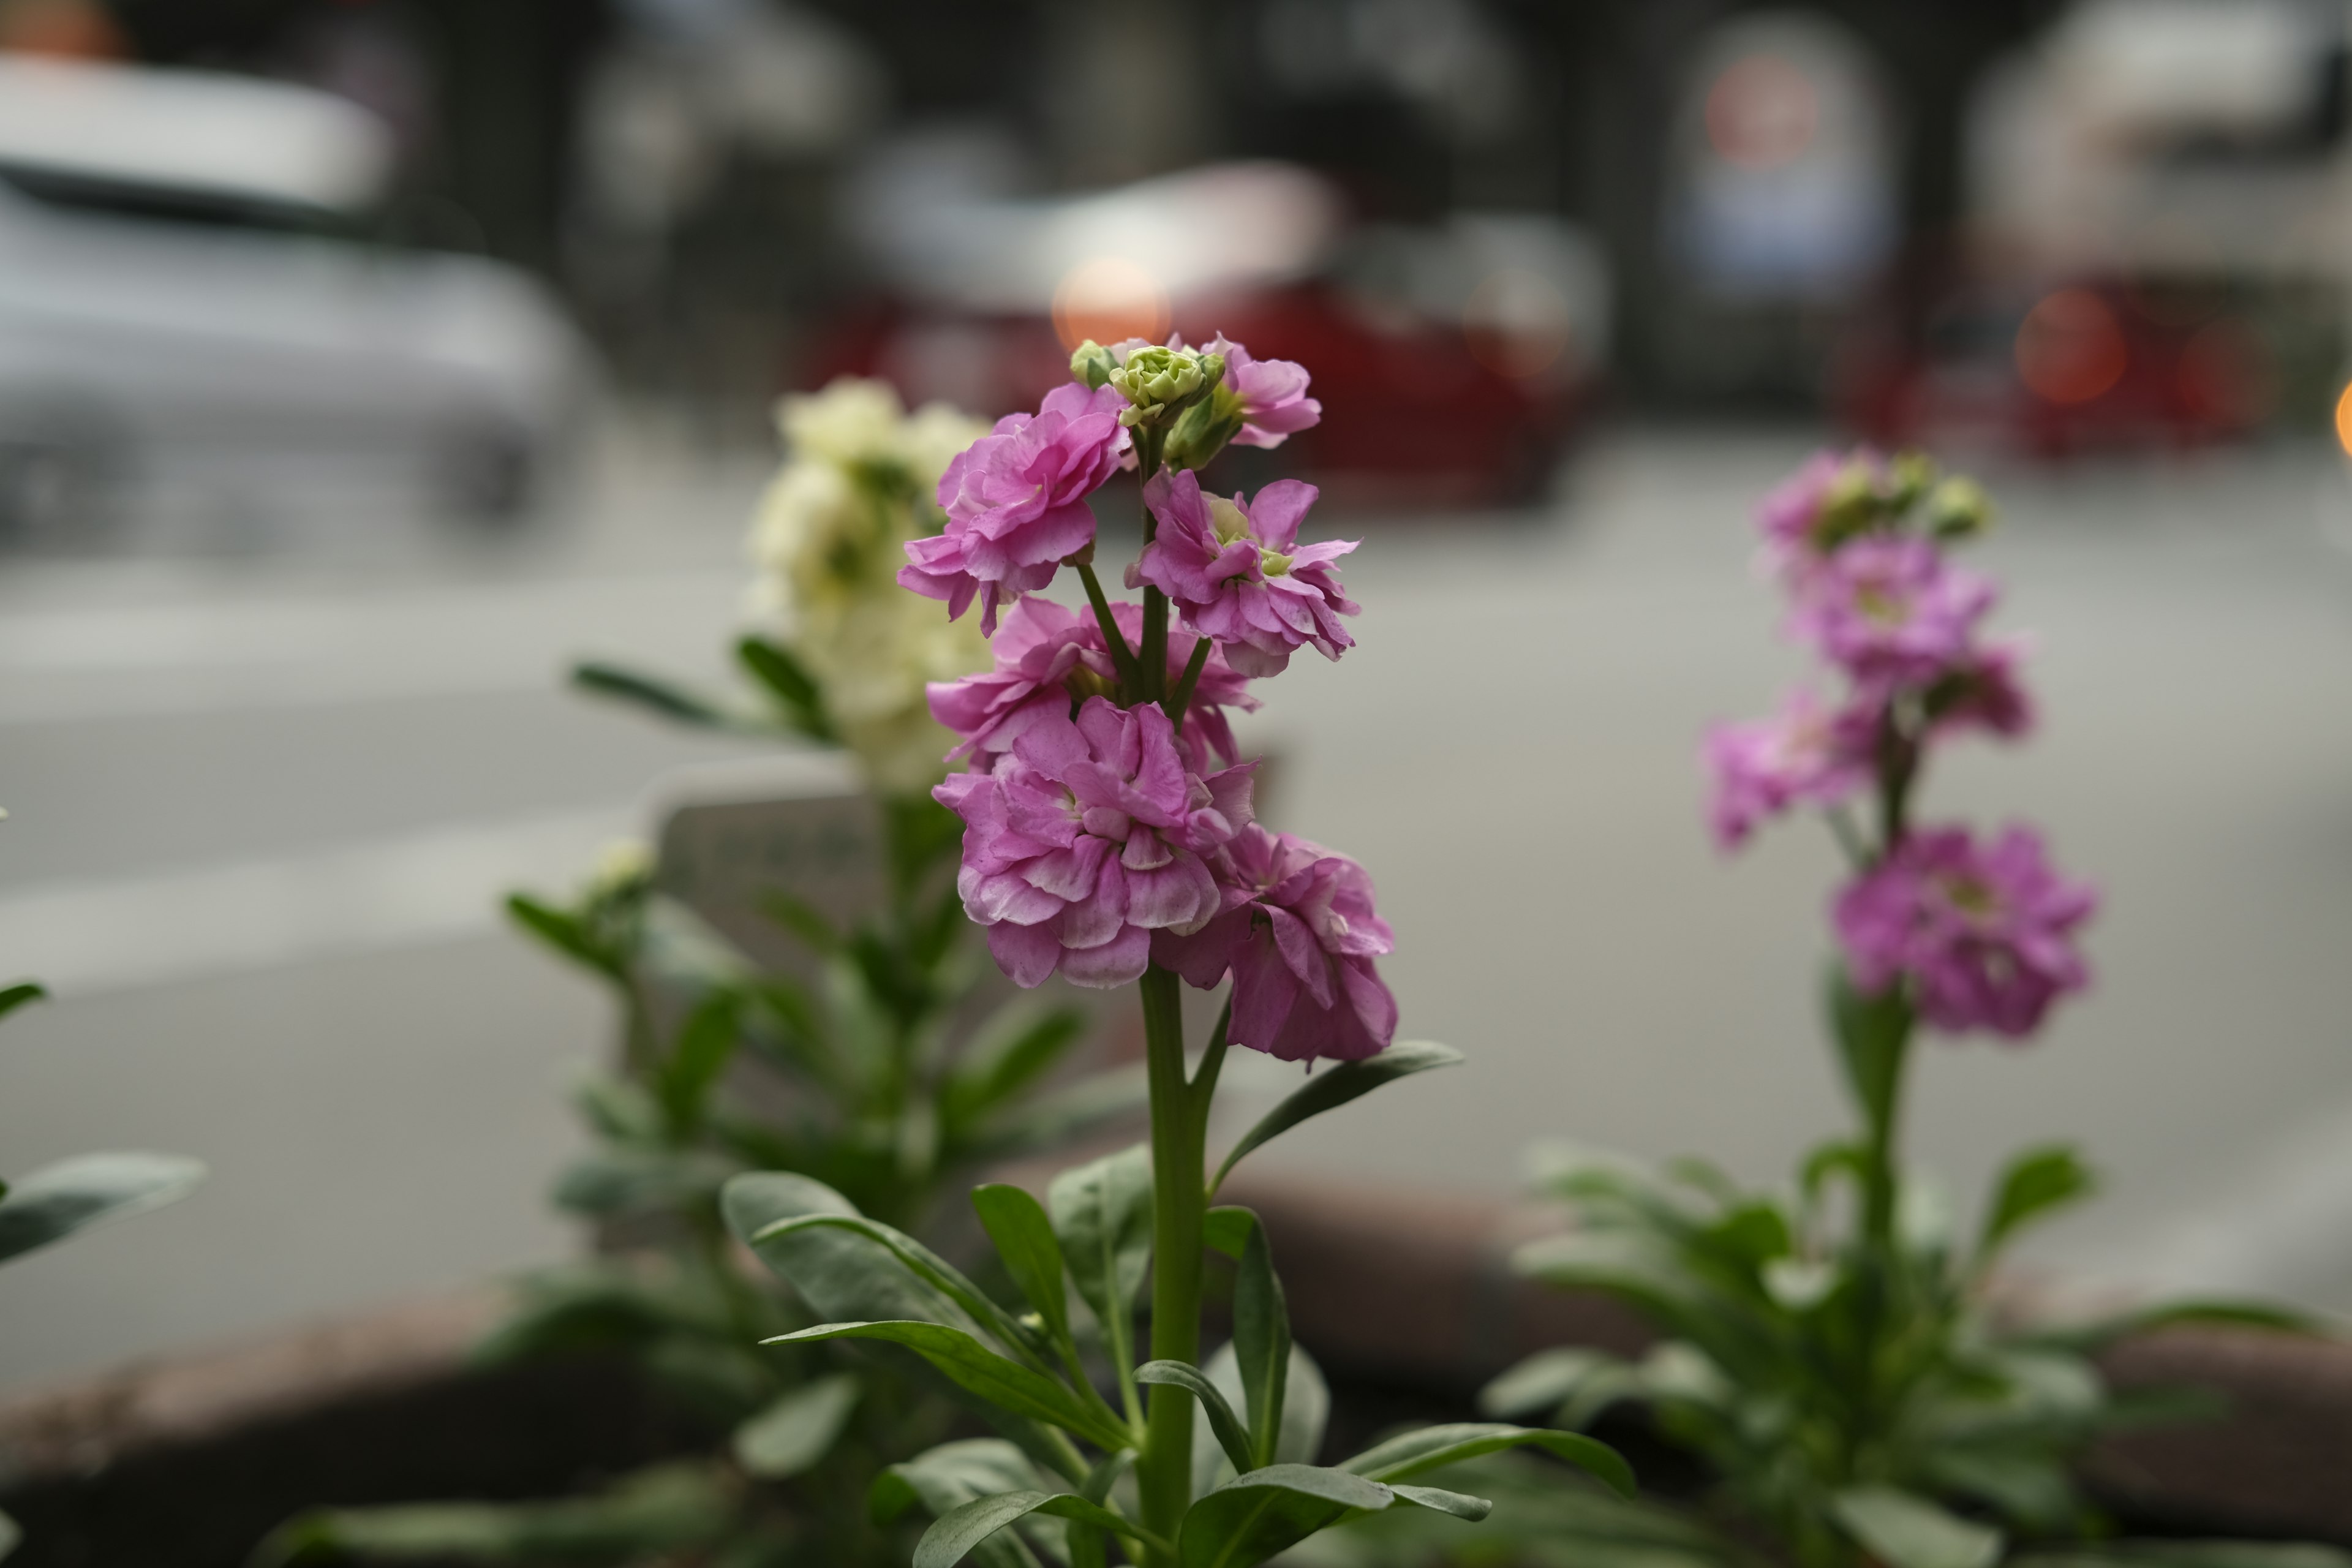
(852, 421)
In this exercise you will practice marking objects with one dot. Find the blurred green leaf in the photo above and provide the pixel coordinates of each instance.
(706, 1043)
(797, 692)
(2032, 1185)
(61, 1198)
(15, 997)
(1011, 1052)
(564, 933)
(842, 1275)
(608, 1182)
(1253, 1516)
(1336, 1088)
(796, 1431)
(1904, 1531)
(669, 1508)
(958, 1532)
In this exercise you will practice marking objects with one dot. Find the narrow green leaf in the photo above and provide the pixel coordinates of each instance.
(1227, 1428)
(1253, 1516)
(1006, 1060)
(2032, 1185)
(61, 1198)
(1261, 1344)
(795, 690)
(611, 1182)
(980, 1370)
(957, 1531)
(660, 697)
(798, 1429)
(1023, 1239)
(1227, 1229)
(2103, 1331)
(1336, 1088)
(706, 1042)
(564, 934)
(1545, 1380)
(1461, 1505)
(1906, 1531)
(804, 920)
(1102, 1215)
(15, 997)
(1412, 1454)
(921, 1262)
(1871, 1033)
(950, 1475)
(843, 1275)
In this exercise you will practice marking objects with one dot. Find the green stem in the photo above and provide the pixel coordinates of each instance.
(1122, 658)
(1181, 698)
(1165, 1471)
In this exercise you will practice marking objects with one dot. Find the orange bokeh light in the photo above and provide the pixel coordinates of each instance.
(2070, 348)
(1109, 298)
(1761, 112)
(2344, 421)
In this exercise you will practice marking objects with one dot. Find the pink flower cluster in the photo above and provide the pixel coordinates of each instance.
(1982, 935)
(1985, 933)
(1097, 839)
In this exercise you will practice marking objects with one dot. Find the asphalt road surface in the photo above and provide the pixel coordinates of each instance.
(270, 760)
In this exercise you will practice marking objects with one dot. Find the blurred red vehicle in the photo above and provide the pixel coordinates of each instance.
(2094, 364)
(1453, 363)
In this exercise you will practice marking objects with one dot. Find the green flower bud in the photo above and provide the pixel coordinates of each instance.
(1204, 428)
(1093, 364)
(1957, 508)
(1159, 384)
(1909, 477)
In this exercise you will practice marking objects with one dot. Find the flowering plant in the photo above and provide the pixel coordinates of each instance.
(1110, 837)
(1829, 1350)
(896, 1081)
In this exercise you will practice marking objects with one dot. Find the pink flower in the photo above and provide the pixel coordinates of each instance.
(1239, 574)
(1272, 393)
(1891, 610)
(1050, 658)
(1986, 936)
(1299, 934)
(1792, 516)
(1805, 754)
(1016, 502)
(1088, 837)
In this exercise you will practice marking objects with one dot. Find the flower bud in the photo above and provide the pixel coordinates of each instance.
(1957, 508)
(1093, 364)
(1204, 428)
(1161, 383)
(1908, 478)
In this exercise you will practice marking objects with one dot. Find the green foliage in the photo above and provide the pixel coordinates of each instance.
(1857, 1402)
(1334, 1087)
(890, 1094)
(61, 1198)
(1255, 1490)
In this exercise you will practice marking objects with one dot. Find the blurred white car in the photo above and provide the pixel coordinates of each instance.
(183, 276)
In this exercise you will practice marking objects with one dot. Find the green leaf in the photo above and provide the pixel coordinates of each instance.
(1336, 1088)
(1256, 1515)
(2103, 1331)
(1223, 1424)
(1024, 1241)
(1547, 1380)
(15, 997)
(797, 1430)
(1904, 1531)
(668, 1508)
(950, 1475)
(957, 1531)
(1004, 1060)
(980, 1370)
(795, 690)
(566, 934)
(2186, 1554)
(61, 1198)
(1062, 1114)
(705, 1043)
(1871, 1033)
(1417, 1453)
(610, 1181)
(2033, 1184)
(661, 697)
(843, 1275)
(1261, 1344)
(924, 1264)
(1102, 1215)
(1227, 1229)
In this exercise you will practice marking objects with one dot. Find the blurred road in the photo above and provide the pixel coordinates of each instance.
(269, 766)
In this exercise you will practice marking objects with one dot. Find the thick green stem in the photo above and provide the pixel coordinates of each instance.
(1164, 1472)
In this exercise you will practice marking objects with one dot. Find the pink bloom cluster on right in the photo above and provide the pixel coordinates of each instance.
(1983, 934)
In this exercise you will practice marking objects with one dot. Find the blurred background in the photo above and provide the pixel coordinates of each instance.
(364, 361)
